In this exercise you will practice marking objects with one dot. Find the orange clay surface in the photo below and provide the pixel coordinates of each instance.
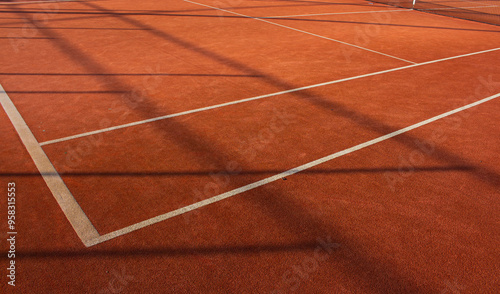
(417, 213)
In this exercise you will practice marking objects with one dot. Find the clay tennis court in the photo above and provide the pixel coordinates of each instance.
(236, 146)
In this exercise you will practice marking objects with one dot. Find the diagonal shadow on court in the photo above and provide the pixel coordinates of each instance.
(129, 74)
(296, 219)
(173, 251)
(245, 172)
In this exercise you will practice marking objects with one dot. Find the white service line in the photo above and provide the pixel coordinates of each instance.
(74, 213)
(302, 31)
(336, 13)
(271, 179)
(456, 8)
(255, 98)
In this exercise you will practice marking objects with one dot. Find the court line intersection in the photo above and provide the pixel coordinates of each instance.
(81, 223)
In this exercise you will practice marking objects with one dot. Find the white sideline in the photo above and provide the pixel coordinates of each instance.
(74, 213)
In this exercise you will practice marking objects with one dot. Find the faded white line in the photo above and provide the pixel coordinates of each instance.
(472, 2)
(287, 173)
(74, 213)
(255, 98)
(336, 13)
(456, 8)
(302, 31)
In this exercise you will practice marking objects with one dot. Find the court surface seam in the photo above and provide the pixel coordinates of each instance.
(234, 192)
(302, 31)
(104, 130)
(68, 204)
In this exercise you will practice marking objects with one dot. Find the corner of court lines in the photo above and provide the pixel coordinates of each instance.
(86, 230)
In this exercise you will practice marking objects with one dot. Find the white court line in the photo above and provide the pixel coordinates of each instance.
(74, 213)
(279, 176)
(455, 8)
(472, 2)
(301, 31)
(336, 13)
(255, 98)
